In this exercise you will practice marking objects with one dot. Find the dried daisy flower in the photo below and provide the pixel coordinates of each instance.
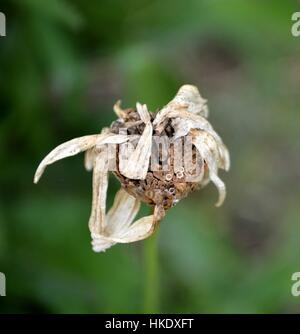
(159, 158)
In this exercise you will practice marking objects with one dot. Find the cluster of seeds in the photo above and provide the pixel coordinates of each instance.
(162, 187)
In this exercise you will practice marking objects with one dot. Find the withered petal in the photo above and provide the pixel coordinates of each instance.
(119, 227)
(207, 147)
(189, 94)
(118, 110)
(75, 146)
(122, 213)
(138, 162)
(187, 101)
(89, 157)
(100, 183)
(70, 148)
(183, 126)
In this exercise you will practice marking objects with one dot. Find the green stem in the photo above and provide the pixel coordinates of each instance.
(151, 275)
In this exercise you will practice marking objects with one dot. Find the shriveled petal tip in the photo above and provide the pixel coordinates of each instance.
(189, 94)
(221, 188)
(101, 244)
(143, 112)
(118, 110)
(89, 158)
(208, 149)
(187, 101)
(225, 157)
(140, 230)
(70, 148)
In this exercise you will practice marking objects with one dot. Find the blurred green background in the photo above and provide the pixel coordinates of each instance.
(63, 65)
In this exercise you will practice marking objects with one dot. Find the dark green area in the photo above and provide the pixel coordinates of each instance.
(63, 65)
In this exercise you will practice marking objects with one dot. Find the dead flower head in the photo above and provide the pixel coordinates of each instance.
(159, 158)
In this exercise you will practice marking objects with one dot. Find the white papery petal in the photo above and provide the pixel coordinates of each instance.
(111, 138)
(70, 148)
(100, 183)
(139, 230)
(221, 187)
(187, 99)
(182, 127)
(75, 146)
(119, 227)
(122, 213)
(185, 122)
(208, 149)
(138, 162)
(143, 113)
(224, 157)
(189, 94)
(118, 110)
(89, 158)
(101, 244)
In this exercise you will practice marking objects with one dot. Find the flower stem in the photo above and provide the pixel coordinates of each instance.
(151, 275)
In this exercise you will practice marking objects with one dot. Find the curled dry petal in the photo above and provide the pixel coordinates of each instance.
(70, 148)
(184, 121)
(208, 149)
(224, 157)
(119, 227)
(118, 110)
(138, 162)
(189, 94)
(182, 127)
(187, 100)
(122, 213)
(115, 227)
(75, 146)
